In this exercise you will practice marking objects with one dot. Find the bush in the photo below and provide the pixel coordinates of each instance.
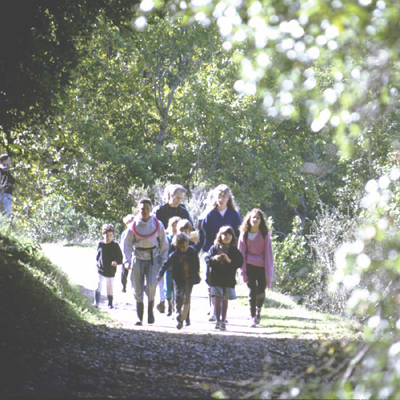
(328, 232)
(294, 274)
(57, 221)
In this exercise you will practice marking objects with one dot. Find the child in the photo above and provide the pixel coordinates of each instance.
(147, 239)
(169, 284)
(185, 226)
(185, 273)
(108, 256)
(196, 240)
(223, 259)
(124, 272)
(258, 264)
(223, 211)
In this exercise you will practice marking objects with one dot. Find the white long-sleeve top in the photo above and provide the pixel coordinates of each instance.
(142, 235)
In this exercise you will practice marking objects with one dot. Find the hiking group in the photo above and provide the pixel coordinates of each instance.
(160, 248)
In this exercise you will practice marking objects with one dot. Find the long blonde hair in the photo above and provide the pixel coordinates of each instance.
(224, 189)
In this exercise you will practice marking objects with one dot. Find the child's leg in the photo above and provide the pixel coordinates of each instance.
(161, 304)
(224, 309)
(110, 286)
(124, 278)
(179, 293)
(97, 292)
(186, 300)
(110, 291)
(218, 307)
(168, 285)
(252, 285)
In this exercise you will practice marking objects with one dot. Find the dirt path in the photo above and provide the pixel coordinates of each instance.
(159, 361)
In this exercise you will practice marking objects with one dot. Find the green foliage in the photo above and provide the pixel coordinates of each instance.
(293, 274)
(57, 220)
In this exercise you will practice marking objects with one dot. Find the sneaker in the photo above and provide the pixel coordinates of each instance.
(218, 325)
(213, 318)
(223, 326)
(110, 306)
(139, 323)
(253, 322)
(180, 325)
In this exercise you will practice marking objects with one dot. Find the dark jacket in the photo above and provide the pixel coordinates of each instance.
(222, 273)
(183, 262)
(106, 254)
(6, 180)
(213, 222)
(165, 212)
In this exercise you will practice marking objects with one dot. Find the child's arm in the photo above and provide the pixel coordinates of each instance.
(268, 259)
(165, 266)
(242, 248)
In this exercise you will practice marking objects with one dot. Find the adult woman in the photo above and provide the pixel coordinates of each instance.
(223, 213)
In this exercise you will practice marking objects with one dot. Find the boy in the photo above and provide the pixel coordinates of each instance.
(146, 237)
(185, 273)
(185, 226)
(108, 256)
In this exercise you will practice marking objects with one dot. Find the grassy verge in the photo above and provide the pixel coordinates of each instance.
(286, 319)
(39, 307)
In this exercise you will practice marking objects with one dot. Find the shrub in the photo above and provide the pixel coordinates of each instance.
(294, 274)
(57, 220)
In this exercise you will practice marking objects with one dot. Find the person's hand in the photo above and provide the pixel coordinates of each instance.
(127, 265)
(218, 257)
(227, 258)
(114, 264)
(159, 278)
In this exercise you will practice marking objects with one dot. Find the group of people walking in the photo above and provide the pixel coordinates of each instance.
(162, 249)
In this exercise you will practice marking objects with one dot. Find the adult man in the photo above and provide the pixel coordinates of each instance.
(146, 238)
(173, 206)
(6, 185)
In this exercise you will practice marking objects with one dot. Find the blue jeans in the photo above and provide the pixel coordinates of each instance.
(168, 284)
(145, 270)
(5, 203)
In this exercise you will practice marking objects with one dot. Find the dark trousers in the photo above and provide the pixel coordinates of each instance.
(124, 276)
(257, 285)
(183, 291)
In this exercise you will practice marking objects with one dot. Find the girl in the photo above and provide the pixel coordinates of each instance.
(258, 264)
(169, 284)
(108, 256)
(223, 259)
(223, 213)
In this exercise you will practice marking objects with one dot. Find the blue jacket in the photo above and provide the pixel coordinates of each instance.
(214, 221)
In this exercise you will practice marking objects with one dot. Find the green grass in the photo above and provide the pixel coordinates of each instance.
(284, 318)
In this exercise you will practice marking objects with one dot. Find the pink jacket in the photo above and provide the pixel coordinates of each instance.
(259, 254)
